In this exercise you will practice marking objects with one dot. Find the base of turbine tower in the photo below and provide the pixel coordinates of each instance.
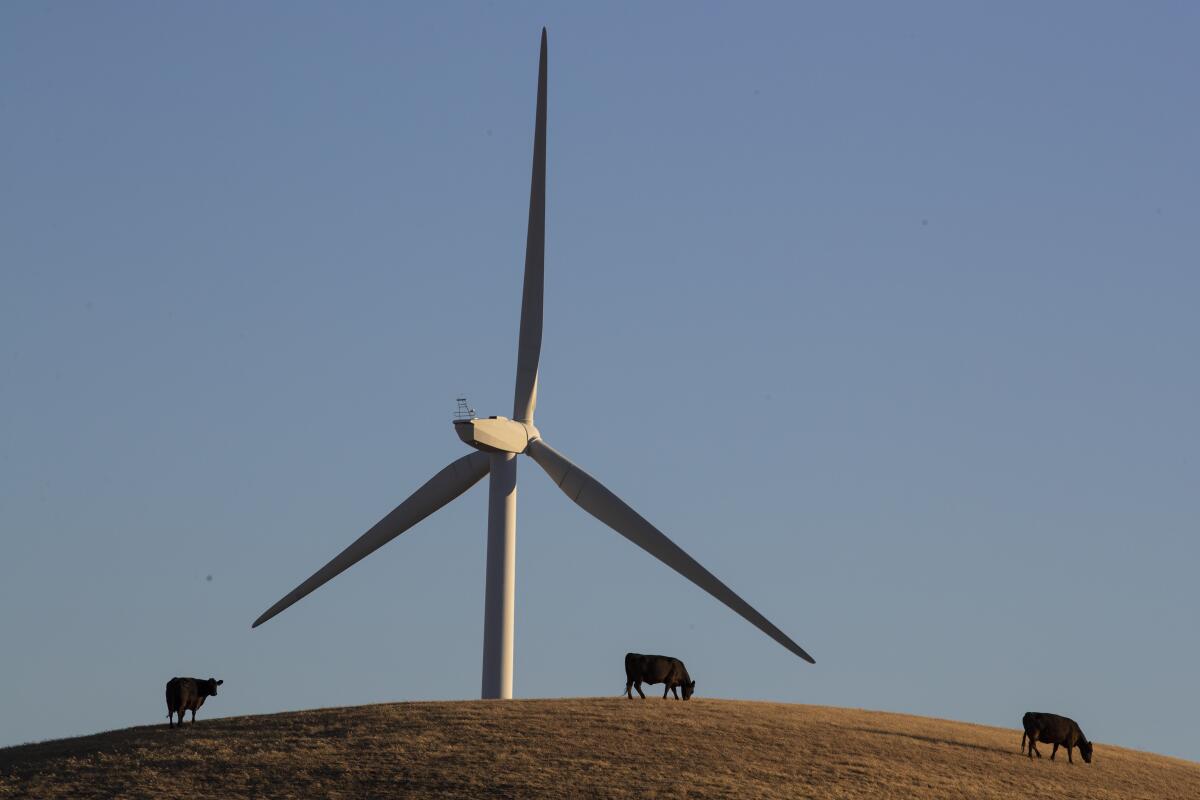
(500, 592)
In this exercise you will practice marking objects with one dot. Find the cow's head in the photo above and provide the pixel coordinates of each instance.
(213, 683)
(1085, 750)
(688, 688)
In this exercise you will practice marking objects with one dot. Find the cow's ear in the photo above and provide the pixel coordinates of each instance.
(220, 682)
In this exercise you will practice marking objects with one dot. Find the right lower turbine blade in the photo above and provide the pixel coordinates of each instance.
(529, 347)
(437, 492)
(594, 498)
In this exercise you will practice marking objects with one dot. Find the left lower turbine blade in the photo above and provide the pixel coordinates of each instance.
(594, 498)
(529, 348)
(437, 492)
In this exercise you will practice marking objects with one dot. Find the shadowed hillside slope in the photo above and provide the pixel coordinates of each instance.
(579, 748)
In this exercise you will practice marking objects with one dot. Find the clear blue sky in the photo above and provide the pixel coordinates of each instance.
(886, 313)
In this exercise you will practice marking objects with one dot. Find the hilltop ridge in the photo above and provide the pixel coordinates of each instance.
(599, 747)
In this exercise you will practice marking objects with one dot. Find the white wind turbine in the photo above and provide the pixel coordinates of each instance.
(498, 441)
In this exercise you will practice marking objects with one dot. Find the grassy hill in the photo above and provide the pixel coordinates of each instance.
(603, 747)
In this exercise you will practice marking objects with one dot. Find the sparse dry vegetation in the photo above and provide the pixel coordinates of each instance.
(579, 748)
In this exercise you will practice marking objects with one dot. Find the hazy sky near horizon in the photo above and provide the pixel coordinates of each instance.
(886, 313)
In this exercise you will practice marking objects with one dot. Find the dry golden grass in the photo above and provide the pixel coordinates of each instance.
(602, 747)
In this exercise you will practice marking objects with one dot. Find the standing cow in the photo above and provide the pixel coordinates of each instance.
(1055, 730)
(187, 694)
(641, 669)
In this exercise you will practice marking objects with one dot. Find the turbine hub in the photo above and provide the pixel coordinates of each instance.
(496, 434)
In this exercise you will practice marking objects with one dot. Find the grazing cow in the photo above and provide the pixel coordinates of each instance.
(1055, 730)
(187, 694)
(641, 669)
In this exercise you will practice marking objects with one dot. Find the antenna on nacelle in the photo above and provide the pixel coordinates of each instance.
(463, 411)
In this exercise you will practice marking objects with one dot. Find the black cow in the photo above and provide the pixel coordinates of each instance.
(187, 694)
(1055, 730)
(641, 669)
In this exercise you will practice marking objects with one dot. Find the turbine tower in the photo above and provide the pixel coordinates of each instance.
(498, 441)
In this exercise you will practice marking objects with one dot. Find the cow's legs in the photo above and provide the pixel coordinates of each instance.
(1023, 735)
(629, 689)
(1069, 759)
(638, 685)
(1054, 751)
(170, 718)
(666, 689)
(193, 716)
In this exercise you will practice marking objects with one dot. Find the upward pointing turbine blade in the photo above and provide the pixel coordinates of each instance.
(529, 348)
(437, 492)
(594, 498)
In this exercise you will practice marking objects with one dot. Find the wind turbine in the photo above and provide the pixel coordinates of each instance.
(498, 441)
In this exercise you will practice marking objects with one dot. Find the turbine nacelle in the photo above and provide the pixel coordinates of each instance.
(496, 434)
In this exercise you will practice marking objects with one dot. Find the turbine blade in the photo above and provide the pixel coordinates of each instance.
(594, 498)
(437, 492)
(529, 348)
